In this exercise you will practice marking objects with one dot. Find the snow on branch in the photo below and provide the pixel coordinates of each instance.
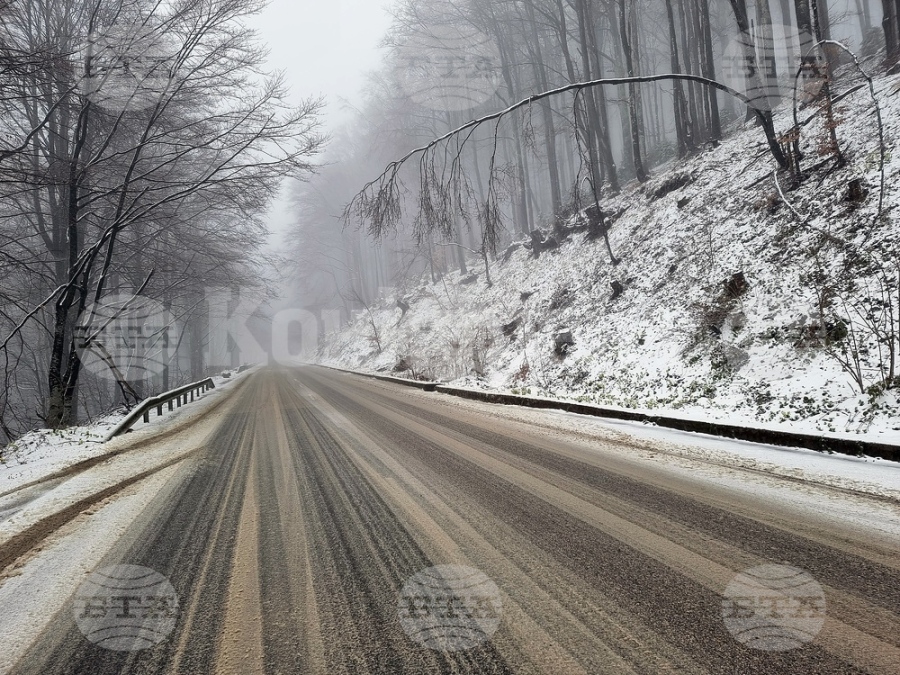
(379, 202)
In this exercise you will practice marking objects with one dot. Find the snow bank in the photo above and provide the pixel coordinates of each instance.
(45, 452)
(720, 317)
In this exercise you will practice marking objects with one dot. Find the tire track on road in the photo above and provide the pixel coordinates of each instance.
(476, 482)
(290, 535)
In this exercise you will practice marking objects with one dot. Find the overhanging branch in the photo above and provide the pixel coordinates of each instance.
(379, 200)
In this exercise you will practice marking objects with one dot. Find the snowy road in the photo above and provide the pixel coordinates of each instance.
(291, 535)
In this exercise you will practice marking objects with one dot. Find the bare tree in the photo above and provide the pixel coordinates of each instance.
(115, 152)
(379, 204)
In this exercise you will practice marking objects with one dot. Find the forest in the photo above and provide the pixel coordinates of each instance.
(476, 188)
(141, 147)
(143, 142)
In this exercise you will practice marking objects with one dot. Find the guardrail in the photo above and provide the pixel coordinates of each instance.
(171, 399)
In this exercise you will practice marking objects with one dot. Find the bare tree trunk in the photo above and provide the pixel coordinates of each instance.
(100, 165)
(709, 71)
(890, 23)
(602, 126)
(693, 118)
(787, 21)
(522, 216)
(633, 90)
(682, 128)
(804, 16)
(540, 74)
(584, 121)
(593, 135)
(862, 15)
(768, 65)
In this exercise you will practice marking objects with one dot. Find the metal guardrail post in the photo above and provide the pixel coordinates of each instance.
(143, 410)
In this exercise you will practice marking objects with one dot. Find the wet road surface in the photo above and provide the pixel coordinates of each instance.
(290, 538)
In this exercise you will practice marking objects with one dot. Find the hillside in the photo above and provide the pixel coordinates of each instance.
(728, 303)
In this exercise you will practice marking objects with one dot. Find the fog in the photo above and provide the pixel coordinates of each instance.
(324, 49)
(147, 151)
(449, 62)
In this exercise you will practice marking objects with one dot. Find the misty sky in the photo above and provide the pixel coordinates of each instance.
(325, 47)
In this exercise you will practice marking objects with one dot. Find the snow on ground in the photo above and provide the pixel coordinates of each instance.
(680, 338)
(37, 589)
(126, 457)
(824, 487)
(867, 475)
(760, 470)
(45, 452)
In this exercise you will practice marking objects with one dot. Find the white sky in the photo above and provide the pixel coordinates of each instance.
(325, 47)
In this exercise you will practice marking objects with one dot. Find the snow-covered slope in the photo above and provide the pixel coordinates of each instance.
(44, 452)
(732, 298)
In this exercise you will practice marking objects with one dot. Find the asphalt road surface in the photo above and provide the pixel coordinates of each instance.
(290, 539)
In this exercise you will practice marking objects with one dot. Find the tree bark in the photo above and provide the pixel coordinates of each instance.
(890, 23)
(709, 71)
(682, 128)
(633, 91)
(540, 74)
(769, 64)
(804, 16)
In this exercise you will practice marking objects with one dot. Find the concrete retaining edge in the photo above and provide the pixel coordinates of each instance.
(415, 384)
(819, 443)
